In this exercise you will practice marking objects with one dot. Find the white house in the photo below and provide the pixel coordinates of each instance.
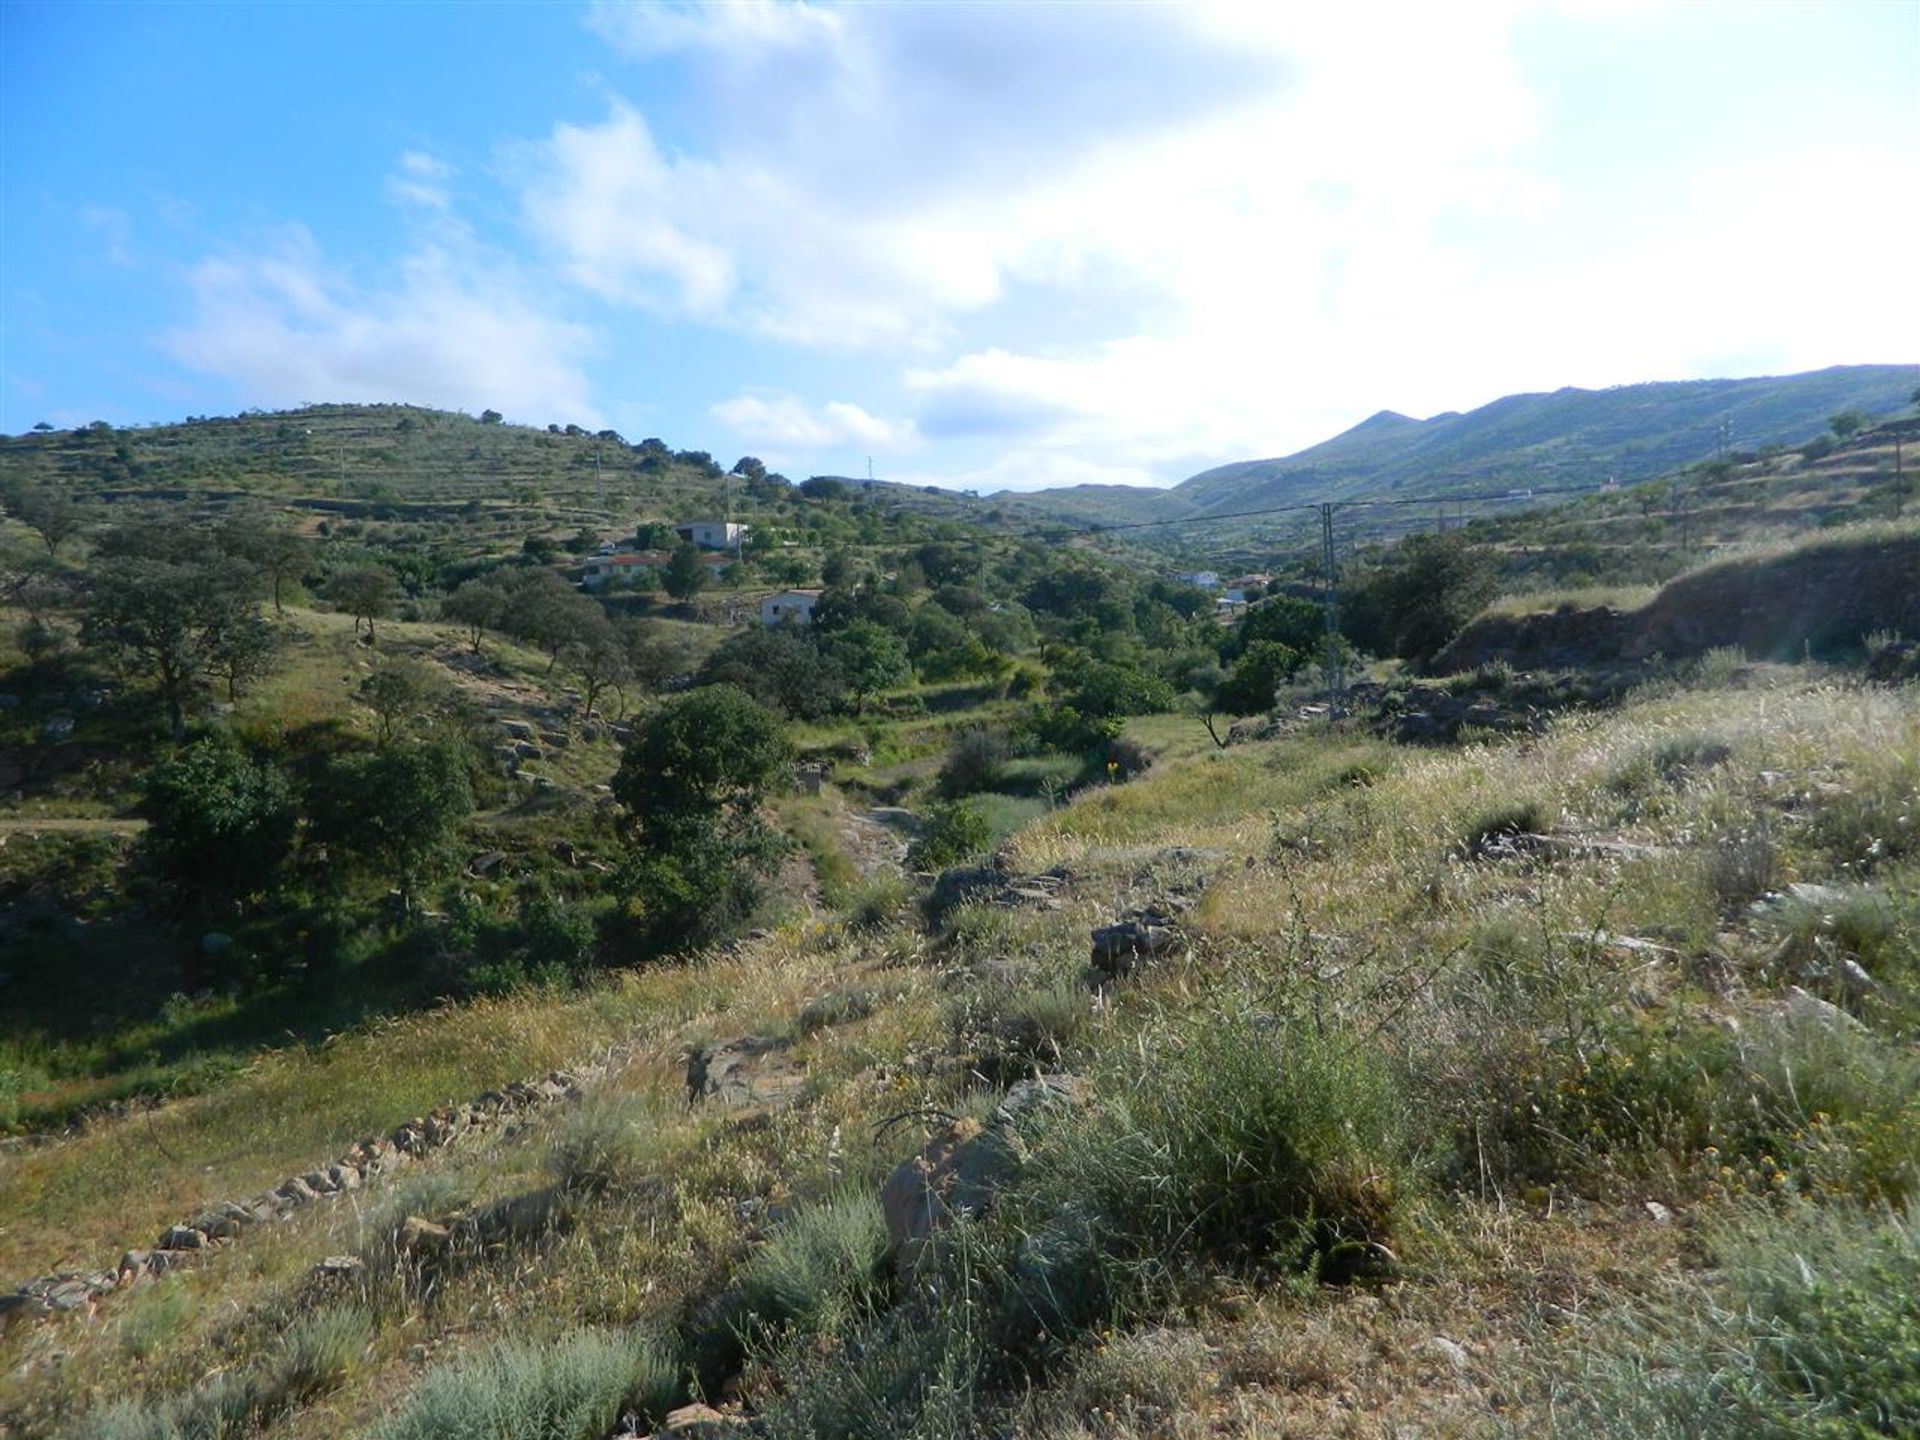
(1205, 579)
(795, 606)
(605, 568)
(711, 534)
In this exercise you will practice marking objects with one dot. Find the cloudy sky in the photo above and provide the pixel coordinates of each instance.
(984, 245)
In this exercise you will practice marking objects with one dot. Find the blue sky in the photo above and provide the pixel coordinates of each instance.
(986, 245)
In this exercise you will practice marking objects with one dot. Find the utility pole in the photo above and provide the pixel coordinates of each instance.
(1336, 681)
(1899, 478)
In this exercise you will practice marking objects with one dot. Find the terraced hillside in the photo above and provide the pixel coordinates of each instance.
(1560, 1084)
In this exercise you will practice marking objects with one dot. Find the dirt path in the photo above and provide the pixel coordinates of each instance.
(69, 825)
(877, 839)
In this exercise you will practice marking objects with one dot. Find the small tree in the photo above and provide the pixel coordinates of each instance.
(393, 692)
(218, 823)
(268, 544)
(394, 812)
(491, 417)
(686, 574)
(871, 658)
(953, 832)
(1847, 424)
(479, 605)
(241, 648)
(599, 658)
(366, 592)
(691, 781)
(546, 611)
(49, 513)
(1259, 672)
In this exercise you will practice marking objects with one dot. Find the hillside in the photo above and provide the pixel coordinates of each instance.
(1568, 437)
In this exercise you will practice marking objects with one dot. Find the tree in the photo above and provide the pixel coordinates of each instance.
(750, 467)
(491, 417)
(367, 592)
(546, 611)
(1263, 667)
(954, 831)
(219, 823)
(871, 658)
(686, 573)
(600, 660)
(691, 781)
(1428, 588)
(49, 513)
(1847, 424)
(1285, 620)
(479, 605)
(161, 601)
(270, 545)
(393, 692)
(778, 668)
(394, 812)
(241, 648)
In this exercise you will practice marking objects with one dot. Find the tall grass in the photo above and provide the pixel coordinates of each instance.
(1812, 1332)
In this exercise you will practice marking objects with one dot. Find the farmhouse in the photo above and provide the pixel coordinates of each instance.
(711, 534)
(608, 569)
(789, 607)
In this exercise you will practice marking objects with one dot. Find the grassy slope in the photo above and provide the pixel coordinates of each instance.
(1354, 897)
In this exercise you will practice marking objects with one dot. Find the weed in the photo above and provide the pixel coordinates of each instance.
(836, 1007)
(1739, 866)
(1014, 1031)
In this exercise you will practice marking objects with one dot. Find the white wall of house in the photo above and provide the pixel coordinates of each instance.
(712, 534)
(794, 605)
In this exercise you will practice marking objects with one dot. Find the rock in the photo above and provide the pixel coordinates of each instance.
(1811, 1009)
(18, 1308)
(56, 727)
(217, 1226)
(320, 1182)
(340, 1265)
(958, 1172)
(1820, 897)
(183, 1237)
(1118, 948)
(161, 1261)
(418, 1236)
(1658, 1213)
(555, 739)
(486, 862)
(1451, 1351)
(296, 1192)
(72, 1294)
(215, 942)
(959, 885)
(135, 1262)
(748, 1070)
(700, 1422)
(1853, 975)
(527, 750)
(517, 729)
(344, 1177)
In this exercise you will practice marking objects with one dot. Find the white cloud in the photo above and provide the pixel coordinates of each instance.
(452, 330)
(780, 421)
(420, 181)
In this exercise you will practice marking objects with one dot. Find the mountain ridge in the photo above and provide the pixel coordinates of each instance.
(1528, 440)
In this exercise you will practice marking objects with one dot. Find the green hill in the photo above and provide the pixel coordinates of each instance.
(1568, 437)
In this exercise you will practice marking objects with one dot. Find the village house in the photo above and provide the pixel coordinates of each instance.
(603, 570)
(712, 534)
(1205, 579)
(789, 607)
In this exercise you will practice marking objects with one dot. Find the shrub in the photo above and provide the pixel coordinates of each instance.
(820, 1267)
(1241, 1137)
(1016, 1031)
(952, 833)
(1526, 816)
(974, 763)
(836, 1007)
(575, 1388)
(608, 1143)
(1739, 867)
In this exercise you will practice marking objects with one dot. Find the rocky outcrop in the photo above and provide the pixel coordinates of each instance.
(959, 1171)
(747, 1072)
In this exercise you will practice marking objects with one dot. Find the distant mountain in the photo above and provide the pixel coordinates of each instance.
(1568, 437)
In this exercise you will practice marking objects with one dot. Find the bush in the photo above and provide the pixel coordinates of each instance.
(608, 1143)
(952, 833)
(1242, 1138)
(820, 1268)
(1012, 1032)
(575, 1388)
(974, 763)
